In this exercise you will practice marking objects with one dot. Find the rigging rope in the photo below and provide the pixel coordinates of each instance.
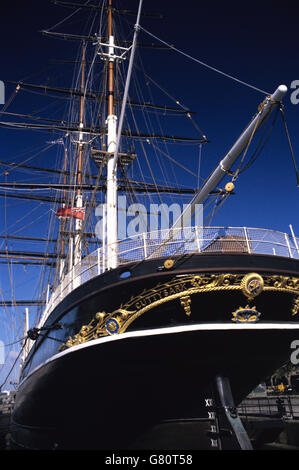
(10, 100)
(68, 17)
(15, 361)
(199, 164)
(236, 173)
(177, 102)
(290, 144)
(224, 196)
(11, 344)
(204, 64)
(260, 146)
(7, 311)
(171, 159)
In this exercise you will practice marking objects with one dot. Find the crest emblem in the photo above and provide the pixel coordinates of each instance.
(246, 315)
(112, 326)
(252, 285)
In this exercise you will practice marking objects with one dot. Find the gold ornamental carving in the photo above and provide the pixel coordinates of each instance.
(246, 315)
(252, 285)
(180, 289)
(295, 308)
(186, 304)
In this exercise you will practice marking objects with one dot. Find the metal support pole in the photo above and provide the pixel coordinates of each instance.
(104, 242)
(230, 411)
(247, 240)
(144, 245)
(288, 245)
(294, 238)
(197, 238)
(99, 261)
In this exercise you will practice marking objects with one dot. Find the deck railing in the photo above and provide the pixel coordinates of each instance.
(286, 406)
(168, 243)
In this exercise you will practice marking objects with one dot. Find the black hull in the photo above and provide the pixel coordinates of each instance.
(110, 406)
(108, 392)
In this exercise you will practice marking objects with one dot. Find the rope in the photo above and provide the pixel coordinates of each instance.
(10, 100)
(204, 64)
(148, 141)
(15, 361)
(260, 146)
(235, 176)
(15, 342)
(177, 102)
(199, 164)
(68, 17)
(290, 144)
(216, 209)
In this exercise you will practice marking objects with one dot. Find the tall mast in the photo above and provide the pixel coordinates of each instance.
(26, 343)
(79, 197)
(63, 221)
(111, 146)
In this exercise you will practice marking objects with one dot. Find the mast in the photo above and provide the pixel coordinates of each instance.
(114, 142)
(63, 221)
(26, 343)
(111, 147)
(79, 197)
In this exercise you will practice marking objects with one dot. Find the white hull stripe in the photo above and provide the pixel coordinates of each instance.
(172, 330)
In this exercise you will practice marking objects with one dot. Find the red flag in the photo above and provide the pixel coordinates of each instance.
(76, 212)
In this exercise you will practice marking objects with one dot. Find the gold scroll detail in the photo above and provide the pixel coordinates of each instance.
(295, 308)
(252, 285)
(181, 289)
(246, 315)
(186, 303)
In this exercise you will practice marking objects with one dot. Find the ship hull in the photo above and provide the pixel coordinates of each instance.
(107, 397)
(181, 333)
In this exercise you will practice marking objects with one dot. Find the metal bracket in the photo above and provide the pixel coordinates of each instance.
(229, 410)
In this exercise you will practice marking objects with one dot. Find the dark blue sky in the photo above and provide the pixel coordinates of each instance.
(255, 41)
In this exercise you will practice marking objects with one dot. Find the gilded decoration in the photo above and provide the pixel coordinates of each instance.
(252, 285)
(295, 308)
(186, 304)
(246, 315)
(180, 289)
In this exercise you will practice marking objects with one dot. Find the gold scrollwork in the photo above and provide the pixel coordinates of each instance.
(252, 285)
(295, 308)
(246, 315)
(182, 288)
(288, 283)
(186, 303)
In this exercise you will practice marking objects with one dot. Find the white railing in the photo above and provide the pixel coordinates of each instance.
(167, 243)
